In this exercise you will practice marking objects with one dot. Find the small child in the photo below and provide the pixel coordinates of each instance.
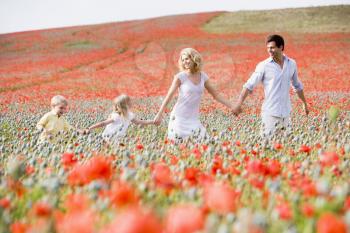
(53, 122)
(119, 120)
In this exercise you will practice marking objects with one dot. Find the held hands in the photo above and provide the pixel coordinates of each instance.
(158, 119)
(237, 109)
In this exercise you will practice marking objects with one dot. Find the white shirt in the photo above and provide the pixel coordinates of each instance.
(276, 82)
(118, 127)
(190, 95)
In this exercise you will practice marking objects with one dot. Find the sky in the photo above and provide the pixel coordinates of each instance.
(26, 15)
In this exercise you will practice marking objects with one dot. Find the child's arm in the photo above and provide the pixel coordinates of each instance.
(100, 124)
(142, 122)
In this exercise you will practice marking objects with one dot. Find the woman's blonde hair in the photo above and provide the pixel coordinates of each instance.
(195, 56)
(121, 105)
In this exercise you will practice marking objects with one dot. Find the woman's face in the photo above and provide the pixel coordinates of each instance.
(187, 63)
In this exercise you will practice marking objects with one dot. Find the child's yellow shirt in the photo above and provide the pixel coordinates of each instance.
(52, 125)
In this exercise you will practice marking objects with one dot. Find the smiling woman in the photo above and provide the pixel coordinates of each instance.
(191, 82)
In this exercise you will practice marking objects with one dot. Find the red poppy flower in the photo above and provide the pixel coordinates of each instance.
(134, 220)
(5, 203)
(68, 159)
(122, 194)
(18, 227)
(305, 149)
(191, 175)
(277, 146)
(329, 158)
(42, 209)
(162, 175)
(284, 211)
(76, 221)
(220, 198)
(308, 210)
(330, 223)
(184, 219)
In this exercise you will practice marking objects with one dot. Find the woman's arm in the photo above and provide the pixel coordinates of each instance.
(216, 95)
(174, 86)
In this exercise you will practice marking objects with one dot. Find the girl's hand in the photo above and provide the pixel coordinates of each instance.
(158, 119)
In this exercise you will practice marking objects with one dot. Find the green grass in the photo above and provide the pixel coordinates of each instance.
(81, 44)
(327, 19)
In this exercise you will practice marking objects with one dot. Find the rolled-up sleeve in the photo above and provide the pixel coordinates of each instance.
(255, 78)
(296, 84)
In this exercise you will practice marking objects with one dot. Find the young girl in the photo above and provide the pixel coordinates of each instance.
(119, 120)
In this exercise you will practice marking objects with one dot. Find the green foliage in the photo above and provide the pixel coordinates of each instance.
(328, 19)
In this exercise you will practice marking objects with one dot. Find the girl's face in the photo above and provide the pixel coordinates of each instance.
(187, 62)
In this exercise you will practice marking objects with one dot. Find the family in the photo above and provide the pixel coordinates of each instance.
(277, 73)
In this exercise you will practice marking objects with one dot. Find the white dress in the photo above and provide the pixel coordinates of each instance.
(117, 129)
(184, 118)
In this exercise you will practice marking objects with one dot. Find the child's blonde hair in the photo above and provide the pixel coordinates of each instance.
(58, 99)
(195, 56)
(121, 105)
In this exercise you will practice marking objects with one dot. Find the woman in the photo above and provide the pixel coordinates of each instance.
(191, 81)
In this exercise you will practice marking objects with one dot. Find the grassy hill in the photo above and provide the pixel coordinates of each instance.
(298, 20)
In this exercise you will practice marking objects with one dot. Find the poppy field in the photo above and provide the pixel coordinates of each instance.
(230, 182)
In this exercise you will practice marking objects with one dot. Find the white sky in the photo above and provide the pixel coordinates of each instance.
(24, 15)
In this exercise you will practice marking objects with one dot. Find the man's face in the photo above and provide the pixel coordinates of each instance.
(60, 109)
(273, 50)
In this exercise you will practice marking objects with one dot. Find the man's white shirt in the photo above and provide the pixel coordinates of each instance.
(276, 82)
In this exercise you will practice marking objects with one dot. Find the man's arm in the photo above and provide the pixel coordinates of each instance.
(302, 97)
(238, 107)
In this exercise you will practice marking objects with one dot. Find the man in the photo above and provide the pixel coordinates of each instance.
(276, 74)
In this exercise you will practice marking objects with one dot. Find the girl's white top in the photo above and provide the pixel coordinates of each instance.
(184, 118)
(118, 127)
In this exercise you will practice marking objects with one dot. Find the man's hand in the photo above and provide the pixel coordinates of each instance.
(306, 109)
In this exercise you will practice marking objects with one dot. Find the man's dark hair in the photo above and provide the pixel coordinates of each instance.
(277, 39)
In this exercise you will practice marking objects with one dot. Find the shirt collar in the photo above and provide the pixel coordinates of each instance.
(270, 59)
(55, 114)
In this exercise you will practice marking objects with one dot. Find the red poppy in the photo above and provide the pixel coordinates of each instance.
(162, 175)
(191, 175)
(256, 167)
(329, 158)
(98, 167)
(330, 223)
(217, 165)
(277, 146)
(122, 194)
(30, 169)
(139, 146)
(220, 198)
(134, 220)
(284, 211)
(42, 209)
(76, 202)
(18, 227)
(68, 159)
(5, 203)
(76, 221)
(308, 210)
(184, 219)
(305, 149)
(273, 168)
